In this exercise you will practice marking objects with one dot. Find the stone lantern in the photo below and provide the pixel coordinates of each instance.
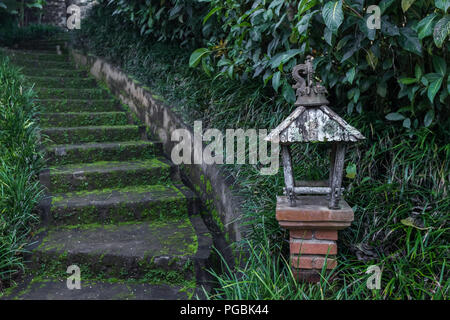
(313, 211)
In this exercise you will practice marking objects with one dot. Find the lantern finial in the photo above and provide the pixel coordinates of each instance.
(309, 93)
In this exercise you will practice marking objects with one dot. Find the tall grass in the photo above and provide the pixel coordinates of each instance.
(20, 162)
(400, 193)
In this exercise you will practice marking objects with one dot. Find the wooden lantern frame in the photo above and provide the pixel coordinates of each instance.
(313, 121)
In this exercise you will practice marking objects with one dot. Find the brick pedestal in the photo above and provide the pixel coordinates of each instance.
(313, 233)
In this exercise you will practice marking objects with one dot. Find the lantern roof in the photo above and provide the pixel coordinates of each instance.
(313, 120)
(314, 125)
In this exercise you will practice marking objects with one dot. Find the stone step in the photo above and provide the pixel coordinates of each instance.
(51, 40)
(36, 55)
(86, 134)
(131, 203)
(54, 72)
(62, 82)
(48, 288)
(71, 93)
(80, 119)
(42, 45)
(33, 63)
(94, 152)
(78, 105)
(106, 174)
(50, 49)
(161, 251)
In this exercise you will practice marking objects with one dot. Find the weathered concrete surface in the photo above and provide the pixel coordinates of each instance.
(124, 251)
(56, 289)
(208, 180)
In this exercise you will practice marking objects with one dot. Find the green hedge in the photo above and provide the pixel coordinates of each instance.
(11, 34)
(399, 70)
(20, 162)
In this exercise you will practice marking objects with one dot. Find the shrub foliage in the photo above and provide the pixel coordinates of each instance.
(20, 161)
(399, 69)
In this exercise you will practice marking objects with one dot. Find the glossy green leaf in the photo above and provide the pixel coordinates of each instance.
(210, 13)
(385, 4)
(284, 57)
(288, 93)
(333, 15)
(371, 59)
(418, 72)
(439, 65)
(305, 5)
(276, 80)
(197, 55)
(350, 75)
(410, 41)
(407, 123)
(426, 25)
(408, 80)
(428, 118)
(442, 4)
(441, 31)
(433, 88)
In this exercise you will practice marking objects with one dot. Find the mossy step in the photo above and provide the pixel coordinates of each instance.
(36, 55)
(49, 288)
(106, 174)
(42, 44)
(159, 251)
(94, 152)
(36, 43)
(54, 72)
(62, 82)
(53, 40)
(78, 105)
(131, 203)
(33, 63)
(79, 119)
(68, 135)
(43, 48)
(71, 93)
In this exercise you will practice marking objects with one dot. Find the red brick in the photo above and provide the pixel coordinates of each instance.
(312, 262)
(326, 234)
(313, 209)
(301, 234)
(306, 275)
(313, 247)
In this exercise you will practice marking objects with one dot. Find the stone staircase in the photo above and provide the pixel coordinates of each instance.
(114, 207)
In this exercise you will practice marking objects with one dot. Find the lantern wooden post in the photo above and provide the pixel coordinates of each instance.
(288, 173)
(313, 212)
(338, 170)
